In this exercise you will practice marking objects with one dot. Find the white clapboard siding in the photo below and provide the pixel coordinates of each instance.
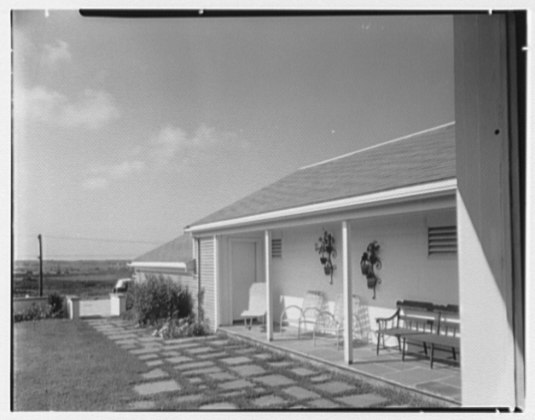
(208, 279)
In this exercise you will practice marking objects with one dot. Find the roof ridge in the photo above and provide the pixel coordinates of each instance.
(377, 145)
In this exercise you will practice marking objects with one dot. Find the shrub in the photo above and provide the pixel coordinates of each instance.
(57, 306)
(183, 327)
(33, 313)
(159, 298)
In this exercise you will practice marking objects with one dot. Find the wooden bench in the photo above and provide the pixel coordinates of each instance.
(447, 335)
(411, 318)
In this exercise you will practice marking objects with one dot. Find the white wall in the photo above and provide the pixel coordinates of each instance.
(407, 272)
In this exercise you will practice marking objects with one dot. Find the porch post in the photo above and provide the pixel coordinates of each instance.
(348, 292)
(267, 258)
(216, 282)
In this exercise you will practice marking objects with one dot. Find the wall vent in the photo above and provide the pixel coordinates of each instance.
(442, 240)
(276, 248)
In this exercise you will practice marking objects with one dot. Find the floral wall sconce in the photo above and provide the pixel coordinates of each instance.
(368, 262)
(326, 248)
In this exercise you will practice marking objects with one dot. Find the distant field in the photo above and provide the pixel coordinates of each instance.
(84, 285)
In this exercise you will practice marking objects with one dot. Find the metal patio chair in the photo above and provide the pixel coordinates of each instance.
(257, 304)
(307, 313)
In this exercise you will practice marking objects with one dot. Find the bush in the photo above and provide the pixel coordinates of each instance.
(56, 308)
(183, 327)
(159, 298)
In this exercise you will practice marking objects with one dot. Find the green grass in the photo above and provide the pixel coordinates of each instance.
(84, 285)
(66, 365)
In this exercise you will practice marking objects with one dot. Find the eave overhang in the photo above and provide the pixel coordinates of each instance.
(397, 195)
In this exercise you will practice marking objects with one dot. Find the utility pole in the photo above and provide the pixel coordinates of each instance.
(40, 265)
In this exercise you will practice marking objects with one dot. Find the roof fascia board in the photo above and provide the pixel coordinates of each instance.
(398, 195)
(157, 264)
(371, 213)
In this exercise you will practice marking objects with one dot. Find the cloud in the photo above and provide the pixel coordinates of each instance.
(101, 175)
(92, 109)
(172, 144)
(96, 183)
(56, 53)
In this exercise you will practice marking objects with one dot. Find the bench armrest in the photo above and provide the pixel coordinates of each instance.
(382, 323)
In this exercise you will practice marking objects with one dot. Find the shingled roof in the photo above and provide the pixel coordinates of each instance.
(419, 158)
(177, 250)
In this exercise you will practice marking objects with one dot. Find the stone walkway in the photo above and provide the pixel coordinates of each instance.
(219, 373)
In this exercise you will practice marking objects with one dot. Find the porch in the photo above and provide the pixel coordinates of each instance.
(442, 383)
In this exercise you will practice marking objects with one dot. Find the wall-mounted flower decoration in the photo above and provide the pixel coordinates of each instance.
(368, 262)
(326, 248)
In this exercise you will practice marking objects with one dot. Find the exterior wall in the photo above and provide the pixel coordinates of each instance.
(208, 278)
(407, 272)
(484, 206)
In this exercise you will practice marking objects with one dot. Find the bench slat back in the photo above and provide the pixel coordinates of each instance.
(417, 316)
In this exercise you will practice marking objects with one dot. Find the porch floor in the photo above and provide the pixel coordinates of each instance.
(413, 374)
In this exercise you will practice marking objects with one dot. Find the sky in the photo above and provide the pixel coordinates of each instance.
(127, 130)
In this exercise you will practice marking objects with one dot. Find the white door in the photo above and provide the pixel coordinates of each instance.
(243, 275)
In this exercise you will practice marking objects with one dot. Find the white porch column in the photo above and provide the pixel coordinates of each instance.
(269, 306)
(348, 293)
(216, 282)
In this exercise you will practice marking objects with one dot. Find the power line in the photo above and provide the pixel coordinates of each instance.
(81, 238)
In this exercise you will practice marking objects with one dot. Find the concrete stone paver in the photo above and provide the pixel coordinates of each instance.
(300, 393)
(213, 369)
(170, 353)
(362, 400)
(248, 370)
(321, 378)
(188, 398)
(323, 403)
(219, 406)
(142, 405)
(237, 384)
(179, 359)
(300, 371)
(280, 364)
(263, 356)
(222, 376)
(152, 388)
(155, 374)
(237, 368)
(147, 356)
(219, 342)
(194, 365)
(334, 387)
(236, 360)
(212, 355)
(199, 350)
(268, 401)
(275, 380)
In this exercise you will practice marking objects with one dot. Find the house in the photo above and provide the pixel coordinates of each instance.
(399, 193)
(481, 188)
(172, 260)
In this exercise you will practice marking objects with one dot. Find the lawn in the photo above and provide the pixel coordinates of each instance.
(66, 365)
(87, 286)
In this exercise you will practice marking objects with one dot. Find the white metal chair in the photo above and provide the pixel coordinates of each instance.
(257, 304)
(313, 304)
(332, 323)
